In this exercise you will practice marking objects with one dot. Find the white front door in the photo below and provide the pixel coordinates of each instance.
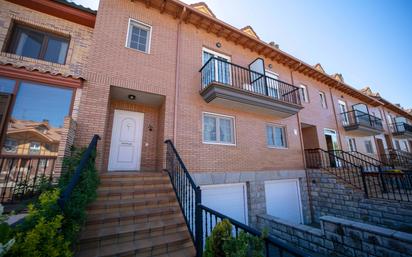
(283, 199)
(228, 199)
(126, 144)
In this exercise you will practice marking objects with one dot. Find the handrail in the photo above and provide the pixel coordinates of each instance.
(269, 240)
(64, 197)
(400, 127)
(236, 76)
(189, 198)
(371, 158)
(356, 117)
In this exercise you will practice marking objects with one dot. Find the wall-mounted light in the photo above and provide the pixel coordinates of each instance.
(270, 66)
(218, 45)
(131, 97)
(150, 128)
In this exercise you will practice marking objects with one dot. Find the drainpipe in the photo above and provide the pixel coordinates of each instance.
(302, 146)
(177, 77)
(336, 117)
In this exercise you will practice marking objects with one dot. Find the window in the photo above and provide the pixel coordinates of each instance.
(10, 145)
(138, 36)
(397, 145)
(272, 83)
(344, 112)
(352, 144)
(217, 69)
(304, 93)
(34, 148)
(368, 146)
(28, 42)
(405, 148)
(323, 100)
(218, 129)
(276, 136)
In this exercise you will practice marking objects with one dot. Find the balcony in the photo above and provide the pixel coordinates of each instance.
(401, 130)
(234, 86)
(361, 123)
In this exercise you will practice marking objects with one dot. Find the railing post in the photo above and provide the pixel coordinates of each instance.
(199, 223)
(384, 190)
(365, 188)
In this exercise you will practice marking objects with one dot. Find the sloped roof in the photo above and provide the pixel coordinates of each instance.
(338, 77)
(319, 67)
(249, 30)
(52, 135)
(204, 8)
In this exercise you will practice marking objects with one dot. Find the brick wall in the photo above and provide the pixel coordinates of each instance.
(332, 196)
(66, 142)
(80, 40)
(340, 237)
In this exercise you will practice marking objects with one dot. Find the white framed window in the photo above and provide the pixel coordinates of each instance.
(276, 136)
(139, 36)
(397, 145)
(272, 83)
(304, 93)
(352, 144)
(323, 100)
(344, 112)
(34, 148)
(10, 145)
(218, 129)
(218, 69)
(368, 146)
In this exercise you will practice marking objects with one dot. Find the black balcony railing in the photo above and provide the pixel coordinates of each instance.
(359, 118)
(373, 180)
(200, 219)
(220, 71)
(397, 158)
(401, 127)
(22, 176)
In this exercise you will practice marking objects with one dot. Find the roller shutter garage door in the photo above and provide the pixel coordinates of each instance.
(283, 199)
(228, 199)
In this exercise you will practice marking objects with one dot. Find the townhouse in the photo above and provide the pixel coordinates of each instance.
(240, 112)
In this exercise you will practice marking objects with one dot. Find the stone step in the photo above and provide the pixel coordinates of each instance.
(134, 205)
(101, 233)
(132, 182)
(155, 245)
(114, 175)
(119, 193)
(131, 186)
(131, 215)
(116, 204)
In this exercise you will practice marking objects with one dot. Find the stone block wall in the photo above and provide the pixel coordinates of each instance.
(332, 196)
(340, 237)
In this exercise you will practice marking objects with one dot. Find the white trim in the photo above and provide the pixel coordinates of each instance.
(285, 136)
(149, 42)
(245, 203)
(298, 192)
(205, 49)
(224, 116)
(305, 88)
(323, 103)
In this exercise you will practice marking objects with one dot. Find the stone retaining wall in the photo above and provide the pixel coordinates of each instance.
(332, 196)
(340, 237)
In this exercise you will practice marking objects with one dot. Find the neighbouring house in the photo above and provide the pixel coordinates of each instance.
(270, 140)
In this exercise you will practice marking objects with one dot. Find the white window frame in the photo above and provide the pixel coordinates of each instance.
(349, 139)
(273, 75)
(323, 102)
(345, 118)
(366, 148)
(216, 115)
(273, 131)
(142, 25)
(214, 53)
(304, 88)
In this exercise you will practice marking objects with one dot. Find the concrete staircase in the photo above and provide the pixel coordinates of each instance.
(135, 214)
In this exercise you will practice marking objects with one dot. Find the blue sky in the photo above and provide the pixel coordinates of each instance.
(368, 41)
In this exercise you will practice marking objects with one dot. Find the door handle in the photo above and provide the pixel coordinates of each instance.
(126, 143)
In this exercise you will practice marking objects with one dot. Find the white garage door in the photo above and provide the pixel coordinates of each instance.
(228, 199)
(283, 199)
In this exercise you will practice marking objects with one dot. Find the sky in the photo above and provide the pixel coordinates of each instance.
(368, 41)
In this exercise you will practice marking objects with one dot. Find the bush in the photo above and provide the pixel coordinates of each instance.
(6, 240)
(49, 230)
(221, 243)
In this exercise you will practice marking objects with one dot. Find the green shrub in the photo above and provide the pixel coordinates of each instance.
(49, 230)
(221, 243)
(40, 235)
(6, 240)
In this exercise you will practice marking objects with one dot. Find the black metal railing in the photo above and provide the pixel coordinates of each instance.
(199, 217)
(273, 247)
(374, 181)
(400, 128)
(22, 176)
(220, 71)
(87, 156)
(356, 118)
(397, 158)
(383, 162)
(187, 192)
